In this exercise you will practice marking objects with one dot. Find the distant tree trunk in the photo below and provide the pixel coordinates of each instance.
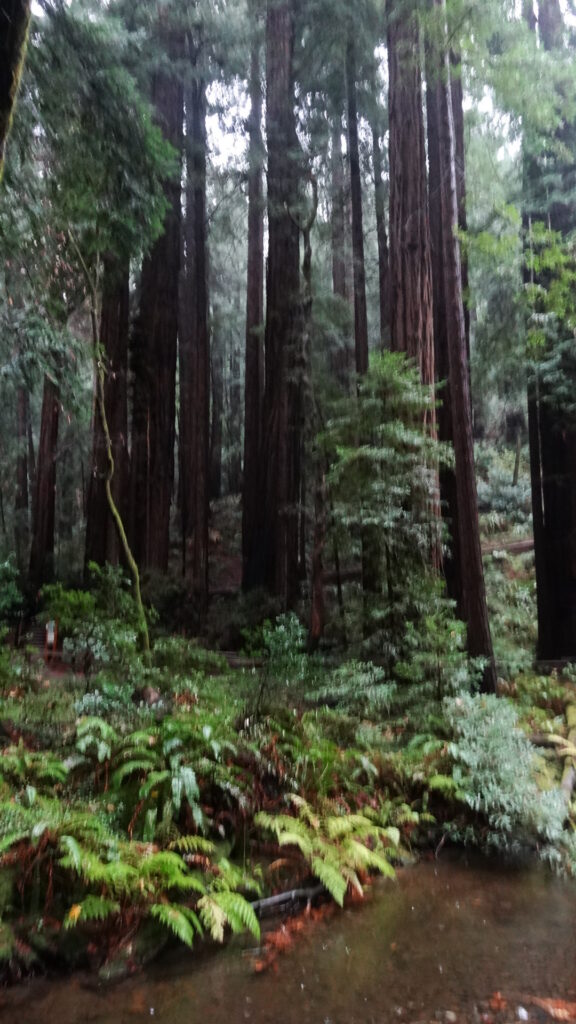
(281, 448)
(42, 551)
(14, 19)
(195, 346)
(473, 589)
(154, 351)
(382, 236)
(340, 357)
(102, 541)
(254, 369)
(21, 501)
(411, 322)
(360, 311)
(235, 409)
(217, 412)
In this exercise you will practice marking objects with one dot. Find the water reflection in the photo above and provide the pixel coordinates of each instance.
(433, 946)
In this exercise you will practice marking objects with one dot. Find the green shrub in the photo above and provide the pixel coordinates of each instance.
(494, 774)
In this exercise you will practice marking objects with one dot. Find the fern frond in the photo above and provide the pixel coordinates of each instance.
(92, 908)
(141, 764)
(172, 917)
(169, 869)
(192, 844)
(331, 878)
(239, 912)
(213, 917)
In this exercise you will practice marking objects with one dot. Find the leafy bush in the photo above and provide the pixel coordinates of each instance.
(494, 774)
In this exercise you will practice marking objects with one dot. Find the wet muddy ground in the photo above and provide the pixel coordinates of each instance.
(455, 940)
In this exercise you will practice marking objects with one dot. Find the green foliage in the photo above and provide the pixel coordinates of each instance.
(11, 597)
(494, 775)
(383, 489)
(99, 626)
(337, 847)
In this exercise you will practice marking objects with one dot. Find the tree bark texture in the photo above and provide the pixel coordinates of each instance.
(360, 310)
(154, 353)
(14, 19)
(411, 323)
(195, 348)
(102, 541)
(42, 550)
(473, 589)
(451, 564)
(280, 463)
(254, 368)
(552, 434)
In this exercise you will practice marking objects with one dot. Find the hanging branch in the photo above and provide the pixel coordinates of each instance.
(100, 372)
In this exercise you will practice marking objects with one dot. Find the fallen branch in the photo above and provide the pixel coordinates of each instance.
(285, 900)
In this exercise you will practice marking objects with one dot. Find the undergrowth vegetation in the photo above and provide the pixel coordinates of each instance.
(147, 797)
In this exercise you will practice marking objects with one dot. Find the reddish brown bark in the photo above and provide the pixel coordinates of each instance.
(102, 541)
(474, 605)
(281, 468)
(195, 347)
(451, 564)
(154, 352)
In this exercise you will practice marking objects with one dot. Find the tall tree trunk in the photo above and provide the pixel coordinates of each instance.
(254, 369)
(451, 564)
(411, 322)
(382, 238)
(42, 551)
(14, 19)
(102, 541)
(217, 411)
(473, 589)
(21, 502)
(340, 359)
(360, 311)
(154, 353)
(195, 345)
(280, 463)
(552, 434)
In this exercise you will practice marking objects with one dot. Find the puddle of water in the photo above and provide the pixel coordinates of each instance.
(432, 946)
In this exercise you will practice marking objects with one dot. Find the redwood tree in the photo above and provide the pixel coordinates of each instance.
(195, 340)
(473, 597)
(280, 462)
(154, 352)
(254, 363)
(548, 182)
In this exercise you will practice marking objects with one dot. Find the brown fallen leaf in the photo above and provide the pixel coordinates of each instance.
(497, 1002)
